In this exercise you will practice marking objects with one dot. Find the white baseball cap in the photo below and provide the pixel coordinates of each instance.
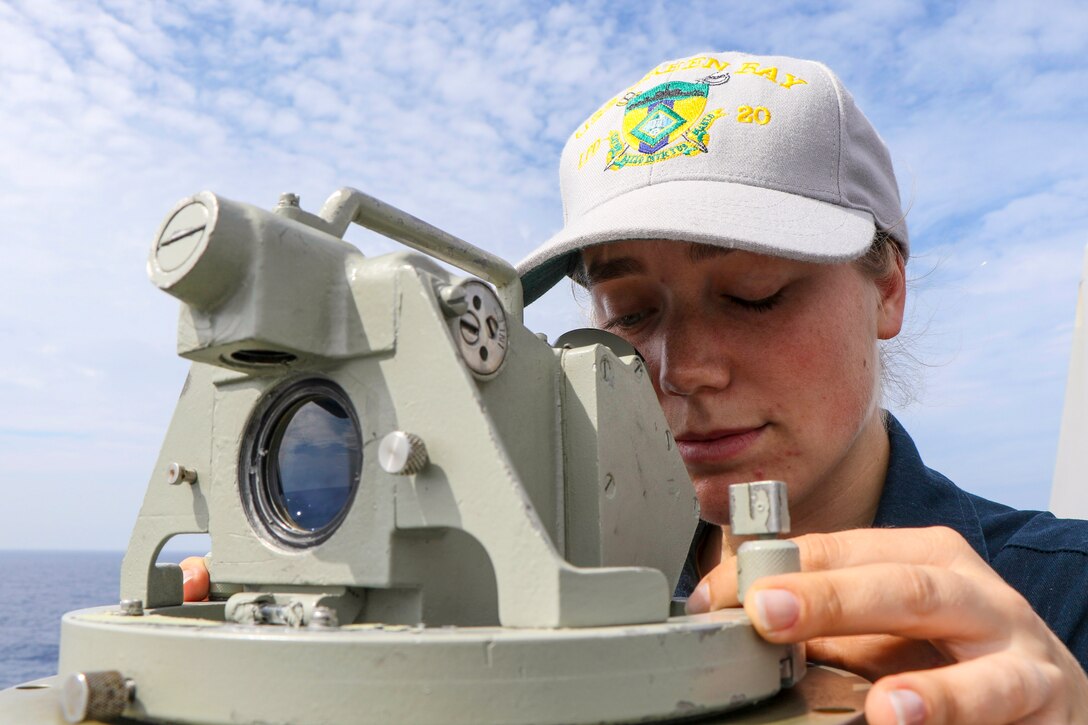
(763, 153)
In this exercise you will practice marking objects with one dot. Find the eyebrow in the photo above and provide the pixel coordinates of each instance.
(700, 252)
(603, 271)
(625, 266)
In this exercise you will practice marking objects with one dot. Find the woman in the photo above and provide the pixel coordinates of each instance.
(737, 219)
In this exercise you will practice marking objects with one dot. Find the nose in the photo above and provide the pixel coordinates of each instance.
(692, 358)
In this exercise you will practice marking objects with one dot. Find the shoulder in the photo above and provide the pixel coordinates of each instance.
(1037, 531)
(1046, 560)
(916, 495)
(1043, 557)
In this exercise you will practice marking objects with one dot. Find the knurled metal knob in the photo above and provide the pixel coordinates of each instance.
(402, 454)
(757, 559)
(99, 696)
(760, 508)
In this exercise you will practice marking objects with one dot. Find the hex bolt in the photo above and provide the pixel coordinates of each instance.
(176, 474)
(132, 607)
(96, 696)
(402, 454)
(289, 199)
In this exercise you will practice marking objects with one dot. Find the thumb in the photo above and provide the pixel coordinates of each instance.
(195, 579)
(717, 590)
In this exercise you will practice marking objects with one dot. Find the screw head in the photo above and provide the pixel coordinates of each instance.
(182, 236)
(324, 617)
(132, 607)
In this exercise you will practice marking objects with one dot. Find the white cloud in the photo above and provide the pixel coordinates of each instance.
(114, 110)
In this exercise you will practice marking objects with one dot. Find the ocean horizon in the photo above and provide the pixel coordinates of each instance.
(36, 588)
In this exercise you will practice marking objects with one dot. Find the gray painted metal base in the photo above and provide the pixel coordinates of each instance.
(196, 670)
(825, 697)
(384, 674)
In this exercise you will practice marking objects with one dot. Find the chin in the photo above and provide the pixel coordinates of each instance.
(713, 492)
(713, 501)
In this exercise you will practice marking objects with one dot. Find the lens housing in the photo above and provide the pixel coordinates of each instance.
(302, 459)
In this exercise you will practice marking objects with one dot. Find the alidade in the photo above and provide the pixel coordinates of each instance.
(419, 511)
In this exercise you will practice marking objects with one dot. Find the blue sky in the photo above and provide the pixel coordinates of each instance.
(112, 111)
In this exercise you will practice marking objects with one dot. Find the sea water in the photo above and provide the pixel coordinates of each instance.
(36, 588)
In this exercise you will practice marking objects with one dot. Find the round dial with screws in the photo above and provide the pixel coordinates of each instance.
(480, 332)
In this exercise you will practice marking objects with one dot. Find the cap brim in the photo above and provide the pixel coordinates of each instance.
(719, 213)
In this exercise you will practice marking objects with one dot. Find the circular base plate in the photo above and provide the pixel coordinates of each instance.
(825, 697)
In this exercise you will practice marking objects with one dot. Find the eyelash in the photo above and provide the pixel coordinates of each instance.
(765, 304)
(761, 305)
(619, 321)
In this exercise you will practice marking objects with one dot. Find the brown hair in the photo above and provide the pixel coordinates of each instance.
(882, 257)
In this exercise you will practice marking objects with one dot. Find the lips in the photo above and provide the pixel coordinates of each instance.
(716, 446)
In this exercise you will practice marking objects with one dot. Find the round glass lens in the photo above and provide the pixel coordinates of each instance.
(318, 461)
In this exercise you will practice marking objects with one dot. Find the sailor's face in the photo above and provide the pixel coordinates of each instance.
(766, 368)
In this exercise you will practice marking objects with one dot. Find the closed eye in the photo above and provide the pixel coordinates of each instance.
(628, 321)
(763, 304)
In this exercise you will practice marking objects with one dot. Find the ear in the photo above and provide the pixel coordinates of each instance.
(892, 289)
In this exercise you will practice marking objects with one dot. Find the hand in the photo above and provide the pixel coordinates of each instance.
(945, 639)
(195, 579)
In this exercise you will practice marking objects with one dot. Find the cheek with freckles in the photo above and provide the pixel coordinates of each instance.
(817, 390)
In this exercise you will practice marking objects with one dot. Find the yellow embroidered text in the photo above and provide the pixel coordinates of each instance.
(759, 115)
(770, 74)
(589, 152)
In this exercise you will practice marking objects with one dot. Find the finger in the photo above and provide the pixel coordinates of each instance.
(195, 579)
(717, 590)
(935, 545)
(875, 655)
(919, 602)
(1000, 688)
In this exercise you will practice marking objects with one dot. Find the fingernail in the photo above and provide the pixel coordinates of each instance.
(777, 609)
(699, 601)
(186, 575)
(909, 707)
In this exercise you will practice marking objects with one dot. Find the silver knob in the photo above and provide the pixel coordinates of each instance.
(402, 454)
(760, 508)
(96, 696)
(177, 474)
